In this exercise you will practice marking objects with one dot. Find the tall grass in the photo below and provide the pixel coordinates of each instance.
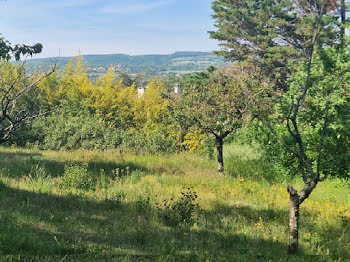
(240, 216)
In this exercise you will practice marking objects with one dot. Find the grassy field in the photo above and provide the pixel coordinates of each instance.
(107, 206)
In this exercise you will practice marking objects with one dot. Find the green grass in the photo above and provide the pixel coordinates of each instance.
(243, 215)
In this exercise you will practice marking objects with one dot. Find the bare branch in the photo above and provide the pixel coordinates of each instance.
(27, 88)
(323, 134)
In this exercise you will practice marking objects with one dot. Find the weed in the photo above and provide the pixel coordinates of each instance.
(78, 177)
(175, 212)
(143, 204)
(120, 172)
(38, 172)
(134, 177)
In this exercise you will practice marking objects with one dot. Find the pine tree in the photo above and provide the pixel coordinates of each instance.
(270, 33)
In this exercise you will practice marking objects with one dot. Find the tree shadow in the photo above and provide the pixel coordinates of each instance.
(326, 240)
(45, 226)
(250, 214)
(5, 155)
(21, 164)
(42, 226)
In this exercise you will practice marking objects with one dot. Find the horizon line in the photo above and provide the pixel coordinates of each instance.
(105, 54)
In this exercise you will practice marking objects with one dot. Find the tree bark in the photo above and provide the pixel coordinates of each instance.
(220, 155)
(294, 205)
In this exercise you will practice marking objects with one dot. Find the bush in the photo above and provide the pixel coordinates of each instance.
(175, 212)
(143, 142)
(62, 131)
(77, 176)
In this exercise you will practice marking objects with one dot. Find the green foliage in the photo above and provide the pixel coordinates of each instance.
(216, 102)
(291, 44)
(328, 101)
(37, 172)
(77, 177)
(251, 162)
(280, 163)
(212, 101)
(143, 142)
(19, 95)
(219, 101)
(175, 212)
(143, 204)
(8, 51)
(101, 115)
(65, 131)
(268, 34)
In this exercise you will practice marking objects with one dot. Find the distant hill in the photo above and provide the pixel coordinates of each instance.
(178, 62)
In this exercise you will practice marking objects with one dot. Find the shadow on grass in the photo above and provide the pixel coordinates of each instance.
(10, 155)
(20, 164)
(328, 239)
(252, 215)
(48, 227)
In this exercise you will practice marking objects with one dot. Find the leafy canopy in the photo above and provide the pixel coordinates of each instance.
(269, 33)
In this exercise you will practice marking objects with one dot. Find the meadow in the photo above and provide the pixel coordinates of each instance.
(113, 206)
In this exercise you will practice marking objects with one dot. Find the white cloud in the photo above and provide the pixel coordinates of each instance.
(134, 8)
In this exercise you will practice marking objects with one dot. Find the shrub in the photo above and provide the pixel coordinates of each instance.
(64, 131)
(77, 176)
(175, 212)
(143, 142)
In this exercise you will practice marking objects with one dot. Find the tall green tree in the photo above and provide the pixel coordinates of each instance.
(293, 38)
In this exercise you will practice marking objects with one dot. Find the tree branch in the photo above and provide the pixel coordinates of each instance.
(280, 139)
(323, 134)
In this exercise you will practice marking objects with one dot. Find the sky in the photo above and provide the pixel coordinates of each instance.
(131, 27)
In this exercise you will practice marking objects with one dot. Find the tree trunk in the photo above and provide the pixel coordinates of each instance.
(343, 18)
(220, 156)
(294, 205)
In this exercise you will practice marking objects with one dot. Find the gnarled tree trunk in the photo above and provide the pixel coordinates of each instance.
(295, 201)
(220, 155)
(294, 205)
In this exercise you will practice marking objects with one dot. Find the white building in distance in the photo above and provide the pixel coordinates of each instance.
(177, 89)
(141, 90)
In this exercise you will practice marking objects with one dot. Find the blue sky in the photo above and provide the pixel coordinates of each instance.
(109, 26)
